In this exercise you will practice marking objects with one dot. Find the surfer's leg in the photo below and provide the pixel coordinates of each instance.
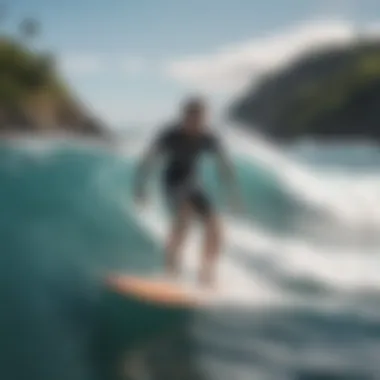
(212, 247)
(176, 238)
(212, 236)
(177, 197)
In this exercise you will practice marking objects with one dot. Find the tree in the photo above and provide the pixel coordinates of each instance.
(29, 29)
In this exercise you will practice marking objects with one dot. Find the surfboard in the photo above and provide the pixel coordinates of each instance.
(156, 291)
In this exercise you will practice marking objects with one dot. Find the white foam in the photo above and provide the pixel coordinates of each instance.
(350, 201)
(340, 269)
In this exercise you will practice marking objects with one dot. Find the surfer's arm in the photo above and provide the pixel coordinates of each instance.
(228, 174)
(144, 169)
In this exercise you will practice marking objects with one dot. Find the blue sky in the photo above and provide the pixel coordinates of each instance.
(134, 60)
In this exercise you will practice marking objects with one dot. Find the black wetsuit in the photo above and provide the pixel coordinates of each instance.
(180, 176)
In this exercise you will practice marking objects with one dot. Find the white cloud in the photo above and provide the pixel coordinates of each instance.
(231, 68)
(81, 64)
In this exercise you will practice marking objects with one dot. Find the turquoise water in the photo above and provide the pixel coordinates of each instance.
(308, 304)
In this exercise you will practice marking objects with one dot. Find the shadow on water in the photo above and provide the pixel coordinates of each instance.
(136, 337)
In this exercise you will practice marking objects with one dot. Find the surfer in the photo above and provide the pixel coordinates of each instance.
(182, 143)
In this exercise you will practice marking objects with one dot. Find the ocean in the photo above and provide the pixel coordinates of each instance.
(298, 283)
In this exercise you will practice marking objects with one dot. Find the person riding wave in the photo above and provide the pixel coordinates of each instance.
(182, 143)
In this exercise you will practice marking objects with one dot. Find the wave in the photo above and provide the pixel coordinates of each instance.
(67, 218)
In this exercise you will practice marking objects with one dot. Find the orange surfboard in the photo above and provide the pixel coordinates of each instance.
(155, 291)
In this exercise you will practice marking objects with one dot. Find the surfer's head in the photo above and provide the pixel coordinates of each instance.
(194, 114)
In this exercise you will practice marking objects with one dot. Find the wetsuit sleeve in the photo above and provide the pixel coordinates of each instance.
(148, 160)
(226, 168)
(215, 147)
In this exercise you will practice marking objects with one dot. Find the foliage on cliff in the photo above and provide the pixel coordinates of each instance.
(34, 98)
(334, 93)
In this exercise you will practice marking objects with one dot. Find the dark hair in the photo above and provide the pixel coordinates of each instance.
(194, 103)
